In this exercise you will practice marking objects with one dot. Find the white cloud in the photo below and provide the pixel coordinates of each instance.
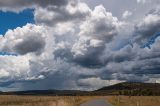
(28, 39)
(148, 26)
(126, 14)
(95, 82)
(73, 11)
(100, 25)
(14, 67)
(141, 1)
(3, 73)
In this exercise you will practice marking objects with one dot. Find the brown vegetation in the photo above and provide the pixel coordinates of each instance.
(12, 100)
(130, 89)
(134, 100)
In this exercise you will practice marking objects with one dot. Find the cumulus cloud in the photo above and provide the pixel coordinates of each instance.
(30, 38)
(14, 68)
(97, 29)
(100, 25)
(84, 51)
(30, 46)
(143, 64)
(148, 26)
(74, 11)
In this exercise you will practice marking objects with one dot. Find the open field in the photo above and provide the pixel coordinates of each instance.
(11, 100)
(134, 100)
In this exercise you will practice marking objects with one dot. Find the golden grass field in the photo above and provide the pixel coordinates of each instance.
(134, 100)
(11, 100)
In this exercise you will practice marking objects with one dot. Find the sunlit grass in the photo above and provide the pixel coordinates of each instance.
(134, 100)
(12, 100)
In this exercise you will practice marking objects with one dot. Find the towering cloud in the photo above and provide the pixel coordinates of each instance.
(96, 30)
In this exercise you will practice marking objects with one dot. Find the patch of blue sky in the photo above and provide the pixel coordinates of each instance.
(121, 44)
(11, 20)
(148, 44)
(151, 41)
(8, 54)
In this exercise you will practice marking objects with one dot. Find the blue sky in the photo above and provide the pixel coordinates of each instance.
(12, 20)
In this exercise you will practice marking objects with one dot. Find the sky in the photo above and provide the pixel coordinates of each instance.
(11, 20)
(78, 44)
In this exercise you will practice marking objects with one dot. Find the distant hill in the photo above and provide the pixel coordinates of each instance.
(47, 92)
(131, 88)
(126, 88)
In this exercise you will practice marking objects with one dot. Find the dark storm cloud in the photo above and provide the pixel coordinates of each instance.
(90, 57)
(90, 60)
(124, 54)
(6, 83)
(30, 44)
(68, 13)
(132, 77)
(17, 5)
(131, 63)
(61, 79)
(63, 53)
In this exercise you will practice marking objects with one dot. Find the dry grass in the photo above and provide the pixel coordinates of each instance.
(134, 100)
(11, 100)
